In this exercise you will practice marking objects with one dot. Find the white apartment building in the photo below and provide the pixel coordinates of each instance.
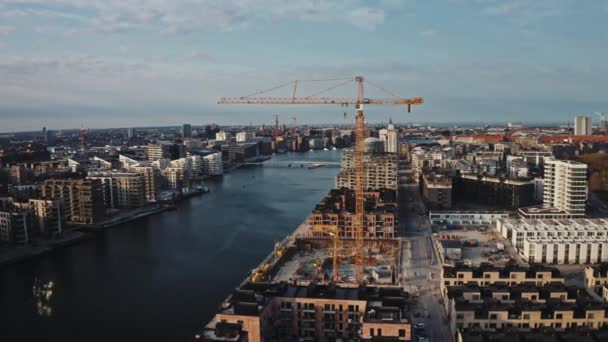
(222, 136)
(213, 165)
(380, 171)
(582, 125)
(564, 241)
(244, 137)
(389, 137)
(469, 218)
(565, 186)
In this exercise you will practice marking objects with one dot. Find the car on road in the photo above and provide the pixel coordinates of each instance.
(419, 326)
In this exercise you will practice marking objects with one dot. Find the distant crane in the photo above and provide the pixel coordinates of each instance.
(602, 124)
(359, 101)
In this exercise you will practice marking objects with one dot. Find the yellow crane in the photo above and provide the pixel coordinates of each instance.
(359, 101)
(334, 233)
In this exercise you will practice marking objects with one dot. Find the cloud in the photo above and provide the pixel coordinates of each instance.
(428, 33)
(5, 30)
(526, 8)
(366, 17)
(185, 16)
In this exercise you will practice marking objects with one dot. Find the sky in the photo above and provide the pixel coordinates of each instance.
(129, 63)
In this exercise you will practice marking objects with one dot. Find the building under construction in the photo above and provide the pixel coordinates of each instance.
(314, 285)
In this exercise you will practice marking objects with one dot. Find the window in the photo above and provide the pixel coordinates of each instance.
(371, 332)
(526, 316)
(379, 332)
(558, 316)
(401, 332)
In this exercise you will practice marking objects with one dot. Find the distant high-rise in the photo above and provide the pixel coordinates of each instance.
(187, 131)
(131, 133)
(603, 122)
(582, 125)
(389, 137)
(565, 186)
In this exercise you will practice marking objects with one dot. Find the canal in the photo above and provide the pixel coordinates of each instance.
(161, 277)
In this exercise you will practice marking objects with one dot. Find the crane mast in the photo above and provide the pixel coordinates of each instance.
(359, 102)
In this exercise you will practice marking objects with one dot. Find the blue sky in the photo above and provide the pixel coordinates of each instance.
(119, 63)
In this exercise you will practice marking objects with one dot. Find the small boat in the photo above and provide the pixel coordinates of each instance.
(334, 148)
(326, 149)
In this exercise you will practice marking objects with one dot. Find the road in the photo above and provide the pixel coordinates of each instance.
(419, 266)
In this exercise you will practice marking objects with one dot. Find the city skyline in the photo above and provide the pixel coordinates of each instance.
(117, 64)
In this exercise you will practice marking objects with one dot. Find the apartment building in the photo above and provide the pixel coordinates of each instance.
(242, 137)
(488, 274)
(282, 312)
(565, 186)
(165, 150)
(222, 136)
(174, 178)
(523, 308)
(583, 125)
(338, 208)
(380, 171)
(596, 279)
(122, 190)
(50, 216)
(429, 159)
(469, 218)
(83, 198)
(437, 191)
(558, 241)
(16, 224)
(152, 180)
(493, 191)
(213, 165)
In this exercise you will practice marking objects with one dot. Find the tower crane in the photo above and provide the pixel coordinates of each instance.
(334, 233)
(359, 101)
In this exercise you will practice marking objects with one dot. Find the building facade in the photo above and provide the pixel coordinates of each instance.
(389, 137)
(16, 225)
(493, 191)
(437, 192)
(83, 198)
(213, 165)
(468, 218)
(566, 241)
(583, 125)
(381, 171)
(50, 216)
(565, 186)
(122, 190)
(259, 312)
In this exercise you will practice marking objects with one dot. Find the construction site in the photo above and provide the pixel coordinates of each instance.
(349, 241)
(350, 236)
